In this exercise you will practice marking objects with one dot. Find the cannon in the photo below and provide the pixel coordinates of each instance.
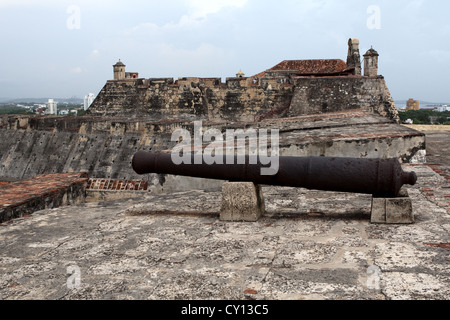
(378, 177)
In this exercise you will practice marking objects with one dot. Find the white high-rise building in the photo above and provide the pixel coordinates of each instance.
(88, 101)
(52, 107)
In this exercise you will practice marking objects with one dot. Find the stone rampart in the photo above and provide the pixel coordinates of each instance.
(240, 99)
(191, 98)
(104, 147)
(333, 94)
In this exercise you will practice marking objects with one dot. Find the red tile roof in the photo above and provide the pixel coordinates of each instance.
(310, 67)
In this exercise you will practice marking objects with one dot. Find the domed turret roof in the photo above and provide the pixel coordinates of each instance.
(240, 74)
(371, 52)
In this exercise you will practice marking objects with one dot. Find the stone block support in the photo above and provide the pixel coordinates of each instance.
(241, 201)
(393, 210)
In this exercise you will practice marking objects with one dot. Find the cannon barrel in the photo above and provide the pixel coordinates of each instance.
(379, 177)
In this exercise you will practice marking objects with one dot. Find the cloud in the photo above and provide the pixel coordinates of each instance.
(147, 28)
(95, 53)
(76, 70)
(203, 8)
(193, 62)
(415, 5)
(197, 12)
(44, 3)
(12, 3)
(437, 55)
(32, 3)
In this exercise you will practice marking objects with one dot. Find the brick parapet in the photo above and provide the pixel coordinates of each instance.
(22, 198)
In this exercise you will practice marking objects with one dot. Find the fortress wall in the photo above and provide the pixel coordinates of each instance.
(29, 153)
(332, 94)
(190, 98)
(102, 147)
(240, 100)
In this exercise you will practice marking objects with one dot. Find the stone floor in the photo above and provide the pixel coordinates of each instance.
(309, 245)
(438, 147)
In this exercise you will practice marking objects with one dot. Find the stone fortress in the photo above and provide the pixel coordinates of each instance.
(134, 237)
(321, 107)
(289, 89)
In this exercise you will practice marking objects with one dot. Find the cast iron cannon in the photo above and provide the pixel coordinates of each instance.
(379, 177)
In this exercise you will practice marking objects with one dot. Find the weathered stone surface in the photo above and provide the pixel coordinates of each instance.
(98, 196)
(378, 214)
(238, 101)
(393, 210)
(308, 245)
(399, 210)
(241, 201)
(191, 98)
(332, 94)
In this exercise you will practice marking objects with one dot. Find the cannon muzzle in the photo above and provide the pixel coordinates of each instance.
(379, 177)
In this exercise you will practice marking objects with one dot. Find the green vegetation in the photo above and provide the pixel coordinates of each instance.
(31, 108)
(81, 112)
(7, 109)
(426, 117)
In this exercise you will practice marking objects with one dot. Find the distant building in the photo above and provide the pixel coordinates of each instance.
(412, 104)
(88, 100)
(52, 107)
(443, 108)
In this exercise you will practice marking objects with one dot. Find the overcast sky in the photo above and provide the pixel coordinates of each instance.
(58, 48)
